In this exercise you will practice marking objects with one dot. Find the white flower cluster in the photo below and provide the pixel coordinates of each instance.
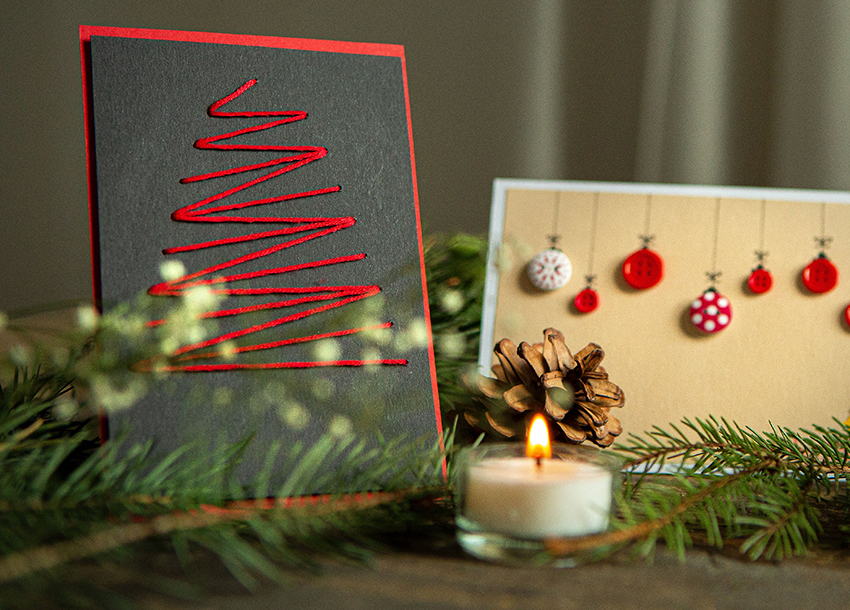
(131, 333)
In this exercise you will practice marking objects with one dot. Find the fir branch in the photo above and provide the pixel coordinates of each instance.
(763, 487)
(456, 266)
(172, 496)
(789, 519)
(560, 547)
(23, 563)
(20, 435)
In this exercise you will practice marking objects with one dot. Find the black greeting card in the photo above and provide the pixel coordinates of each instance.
(279, 173)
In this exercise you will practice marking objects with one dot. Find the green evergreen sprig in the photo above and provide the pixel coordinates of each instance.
(117, 499)
(456, 271)
(716, 482)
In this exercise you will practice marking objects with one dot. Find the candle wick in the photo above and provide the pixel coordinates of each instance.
(539, 460)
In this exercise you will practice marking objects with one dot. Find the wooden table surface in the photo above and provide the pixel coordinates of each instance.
(429, 582)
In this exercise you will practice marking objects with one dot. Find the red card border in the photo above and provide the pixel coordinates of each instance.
(302, 44)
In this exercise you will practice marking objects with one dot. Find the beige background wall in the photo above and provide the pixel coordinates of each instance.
(749, 92)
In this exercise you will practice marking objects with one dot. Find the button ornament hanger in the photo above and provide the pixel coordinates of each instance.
(821, 275)
(760, 280)
(711, 312)
(551, 269)
(588, 300)
(644, 268)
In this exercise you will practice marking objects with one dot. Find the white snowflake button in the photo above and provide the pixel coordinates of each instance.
(711, 312)
(549, 270)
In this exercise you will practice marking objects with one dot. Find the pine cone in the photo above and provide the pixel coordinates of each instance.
(572, 392)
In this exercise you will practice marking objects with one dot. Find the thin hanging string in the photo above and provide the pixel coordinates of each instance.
(823, 241)
(761, 254)
(714, 273)
(647, 238)
(554, 237)
(594, 215)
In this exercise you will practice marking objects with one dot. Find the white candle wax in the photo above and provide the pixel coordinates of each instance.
(514, 496)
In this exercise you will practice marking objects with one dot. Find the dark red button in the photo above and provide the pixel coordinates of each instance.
(587, 300)
(760, 280)
(820, 276)
(643, 269)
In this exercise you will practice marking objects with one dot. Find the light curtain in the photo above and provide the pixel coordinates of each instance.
(743, 92)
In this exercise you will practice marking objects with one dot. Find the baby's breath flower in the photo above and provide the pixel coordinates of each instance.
(200, 298)
(172, 270)
(169, 345)
(21, 355)
(452, 344)
(323, 388)
(327, 350)
(194, 333)
(159, 366)
(504, 258)
(294, 415)
(418, 332)
(182, 327)
(133, 326)
(340, 426)
(415, 336)
(274, 391)
(227, 350)
(222, 397)
(65, 408)
(374, 304)
(112, 398)
(371, 354)
(451, 301)
(87, 318)
(59, 356)
(380, 336)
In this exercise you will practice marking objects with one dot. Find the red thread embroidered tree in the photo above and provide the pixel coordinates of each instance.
(296, 230)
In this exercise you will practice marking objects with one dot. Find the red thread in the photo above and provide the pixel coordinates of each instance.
(281, 343)
(298, 231)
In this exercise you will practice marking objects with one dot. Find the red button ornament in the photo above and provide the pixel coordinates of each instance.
(847, 315)
(760, 280)
(712, 312)
(643, 269)
(820, 275)
(587, 300)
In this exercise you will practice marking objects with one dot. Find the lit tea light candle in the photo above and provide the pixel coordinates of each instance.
(537, 495)
(538, 445)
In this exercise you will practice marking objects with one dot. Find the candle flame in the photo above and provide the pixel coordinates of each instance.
(538, 439)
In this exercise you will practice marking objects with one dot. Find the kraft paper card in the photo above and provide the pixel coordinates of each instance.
(778, 353)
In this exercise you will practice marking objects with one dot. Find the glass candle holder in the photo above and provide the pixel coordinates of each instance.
(510, 507)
